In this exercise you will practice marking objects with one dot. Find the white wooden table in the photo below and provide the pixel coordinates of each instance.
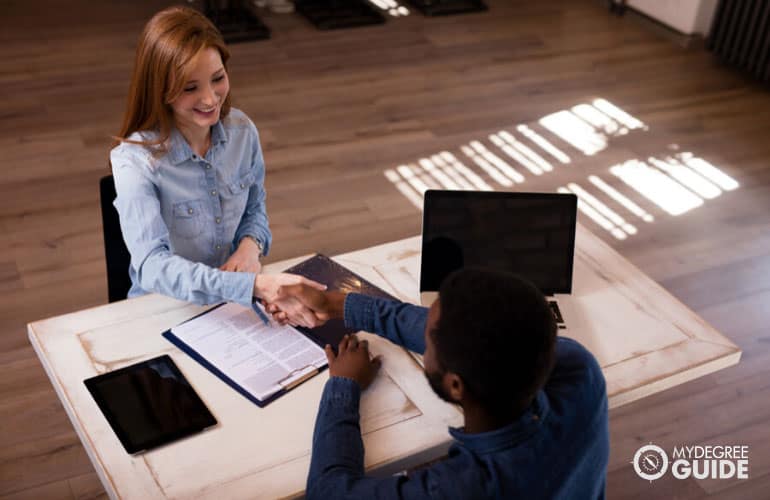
(644, 338)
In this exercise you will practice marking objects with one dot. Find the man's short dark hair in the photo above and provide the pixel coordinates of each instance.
(496, 331)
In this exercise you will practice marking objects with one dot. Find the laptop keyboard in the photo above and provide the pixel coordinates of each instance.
(557, 314)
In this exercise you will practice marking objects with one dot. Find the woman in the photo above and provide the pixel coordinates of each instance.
(189, 173)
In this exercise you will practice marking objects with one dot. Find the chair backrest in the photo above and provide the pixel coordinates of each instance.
(115, 251)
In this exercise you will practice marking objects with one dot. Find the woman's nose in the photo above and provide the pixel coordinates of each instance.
(209, 97)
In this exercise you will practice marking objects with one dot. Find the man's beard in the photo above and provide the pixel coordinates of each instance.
(434, 380)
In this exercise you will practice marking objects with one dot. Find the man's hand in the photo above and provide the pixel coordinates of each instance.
(352, 361)
(325, 305)
(267, 287)
(244, 259)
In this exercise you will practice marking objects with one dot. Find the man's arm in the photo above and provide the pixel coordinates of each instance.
(337, 460)
(401, 323)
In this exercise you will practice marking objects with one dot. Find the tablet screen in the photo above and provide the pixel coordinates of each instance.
(149, 404)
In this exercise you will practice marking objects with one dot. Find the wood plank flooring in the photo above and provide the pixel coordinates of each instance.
(336, 110)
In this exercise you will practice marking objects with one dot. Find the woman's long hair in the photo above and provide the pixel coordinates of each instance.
(169, 41)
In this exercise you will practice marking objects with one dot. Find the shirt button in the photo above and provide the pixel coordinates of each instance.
(213, 192)
(242, 186)
(190, 211)
(219, 219)
(208, 167)
(219, 247)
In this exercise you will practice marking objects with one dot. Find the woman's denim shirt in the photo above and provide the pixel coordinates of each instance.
(183, 215)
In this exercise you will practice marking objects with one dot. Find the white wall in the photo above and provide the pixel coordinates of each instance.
(687, 16)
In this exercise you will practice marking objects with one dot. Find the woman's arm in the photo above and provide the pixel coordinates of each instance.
(147, 238)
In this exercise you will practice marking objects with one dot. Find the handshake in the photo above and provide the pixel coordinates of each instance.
(298, 301)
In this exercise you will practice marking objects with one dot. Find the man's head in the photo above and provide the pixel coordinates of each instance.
(489, 340)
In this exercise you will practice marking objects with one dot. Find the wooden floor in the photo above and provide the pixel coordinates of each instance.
(336, 110)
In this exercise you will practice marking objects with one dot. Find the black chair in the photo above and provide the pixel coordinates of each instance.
(115, 251)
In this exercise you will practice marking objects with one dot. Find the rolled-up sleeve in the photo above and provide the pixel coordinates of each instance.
(146, 236)
(254, 222)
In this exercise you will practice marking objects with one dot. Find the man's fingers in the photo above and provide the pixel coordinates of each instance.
(308, 318)
(299, 313)
(311, 283)
(343, 344)
(377, 362)
(330, 357)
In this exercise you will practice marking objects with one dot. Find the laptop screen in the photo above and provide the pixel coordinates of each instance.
(529, 234)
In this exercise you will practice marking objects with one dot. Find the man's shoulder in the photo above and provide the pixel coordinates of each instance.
(576, 369)
(570, 351)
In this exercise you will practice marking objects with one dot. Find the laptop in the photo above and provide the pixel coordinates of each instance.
(528, 234)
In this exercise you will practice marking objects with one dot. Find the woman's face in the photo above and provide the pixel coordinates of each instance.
(198, 106)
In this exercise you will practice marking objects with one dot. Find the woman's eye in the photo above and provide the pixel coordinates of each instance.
(189, 89)
(219, 78)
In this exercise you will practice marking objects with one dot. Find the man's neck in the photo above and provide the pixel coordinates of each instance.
(478, 420)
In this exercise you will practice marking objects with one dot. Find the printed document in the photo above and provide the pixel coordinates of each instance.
(262, 359)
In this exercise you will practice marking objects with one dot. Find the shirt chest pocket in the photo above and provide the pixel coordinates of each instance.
(239, 186)
(235, 196)
(187, 219)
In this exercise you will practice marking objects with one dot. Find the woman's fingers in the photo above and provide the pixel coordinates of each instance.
(296, 312)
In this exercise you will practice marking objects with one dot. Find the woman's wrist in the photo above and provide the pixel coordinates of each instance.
(259, 286)
(252, 241)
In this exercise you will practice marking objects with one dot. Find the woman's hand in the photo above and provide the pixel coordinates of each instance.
(325, 305)
(245, 258)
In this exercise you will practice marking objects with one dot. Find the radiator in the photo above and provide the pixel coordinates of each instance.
(740, 35)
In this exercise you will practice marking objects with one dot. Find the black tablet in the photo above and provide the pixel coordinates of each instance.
(149, 404)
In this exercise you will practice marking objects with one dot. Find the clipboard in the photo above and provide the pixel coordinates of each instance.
(291, 384)
(339, 278)
(318, 268)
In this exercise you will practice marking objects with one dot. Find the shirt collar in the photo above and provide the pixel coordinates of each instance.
(180, 151)
(508, 436)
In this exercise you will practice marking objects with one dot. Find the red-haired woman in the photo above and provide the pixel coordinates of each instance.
(189, 173)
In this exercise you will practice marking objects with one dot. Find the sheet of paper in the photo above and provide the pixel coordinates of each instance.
(260, 358)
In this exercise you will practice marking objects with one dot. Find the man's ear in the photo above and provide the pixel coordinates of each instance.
(453, 386)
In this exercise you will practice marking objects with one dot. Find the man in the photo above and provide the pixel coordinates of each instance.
(535, 406)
